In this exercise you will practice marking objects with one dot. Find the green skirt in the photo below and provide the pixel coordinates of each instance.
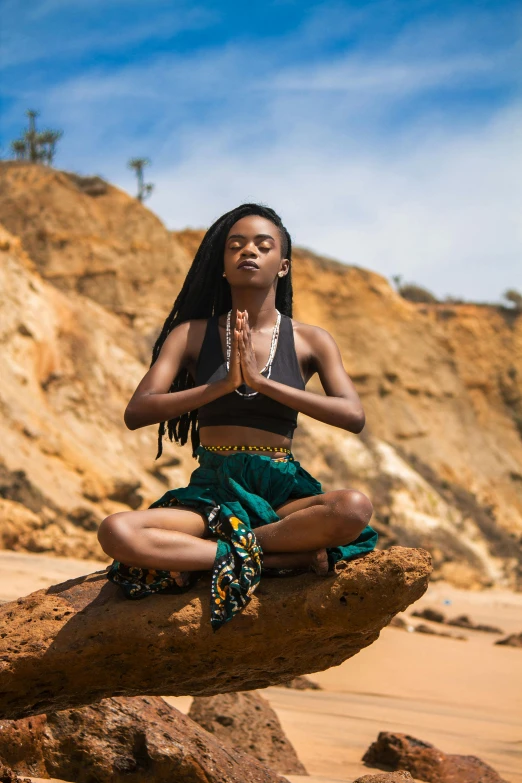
(237, 494)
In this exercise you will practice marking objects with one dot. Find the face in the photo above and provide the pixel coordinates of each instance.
(256, 240)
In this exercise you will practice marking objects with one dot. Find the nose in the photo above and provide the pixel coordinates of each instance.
(249, 249)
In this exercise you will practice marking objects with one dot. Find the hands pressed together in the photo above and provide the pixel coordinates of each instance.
(243, 364)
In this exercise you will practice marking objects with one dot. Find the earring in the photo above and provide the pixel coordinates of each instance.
(280, 274)
(224, 274)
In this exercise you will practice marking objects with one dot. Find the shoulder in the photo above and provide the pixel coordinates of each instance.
(185, 328)
(189, 334)
(313, 335)
(316, 344)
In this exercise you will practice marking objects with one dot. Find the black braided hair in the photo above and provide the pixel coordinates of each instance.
(206, 292)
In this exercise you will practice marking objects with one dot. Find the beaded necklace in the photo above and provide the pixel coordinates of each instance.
(273, 346)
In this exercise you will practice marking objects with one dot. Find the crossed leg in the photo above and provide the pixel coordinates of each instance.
(178, 539)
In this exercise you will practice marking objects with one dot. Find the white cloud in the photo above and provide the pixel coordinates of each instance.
(389, 79)
(359, 153)
(24, 41)
(444, 212)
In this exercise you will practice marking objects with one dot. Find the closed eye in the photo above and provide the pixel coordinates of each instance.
(261, 247)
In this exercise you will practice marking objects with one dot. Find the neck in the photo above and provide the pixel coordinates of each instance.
(260, 306)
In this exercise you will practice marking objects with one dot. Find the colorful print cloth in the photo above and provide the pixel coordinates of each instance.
(237, 493)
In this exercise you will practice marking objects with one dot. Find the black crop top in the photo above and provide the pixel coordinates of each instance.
(259, 411)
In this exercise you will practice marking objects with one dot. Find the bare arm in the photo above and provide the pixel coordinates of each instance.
(152, 402)
(341, 407)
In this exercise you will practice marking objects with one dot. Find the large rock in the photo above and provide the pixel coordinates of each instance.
(80, 641)
(7, 775)
(248, 721)
(302, 683)
(122, 740)
(401, 752)
(513, 640)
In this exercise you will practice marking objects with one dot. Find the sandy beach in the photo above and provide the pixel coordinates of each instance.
(462, 696)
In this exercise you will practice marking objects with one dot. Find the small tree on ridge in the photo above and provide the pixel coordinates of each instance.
(144, 188)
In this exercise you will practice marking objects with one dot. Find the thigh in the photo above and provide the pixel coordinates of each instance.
(181, 519)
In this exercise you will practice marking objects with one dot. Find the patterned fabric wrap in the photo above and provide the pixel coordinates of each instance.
(237, 493)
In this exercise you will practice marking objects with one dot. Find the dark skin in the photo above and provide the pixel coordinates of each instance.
(178, 539)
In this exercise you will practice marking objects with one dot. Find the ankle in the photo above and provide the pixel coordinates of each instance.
(287, 559)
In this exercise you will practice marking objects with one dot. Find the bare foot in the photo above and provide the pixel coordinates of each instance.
(316, 561)
(319, 562)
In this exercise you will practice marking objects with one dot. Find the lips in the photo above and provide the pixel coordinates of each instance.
(249, 264)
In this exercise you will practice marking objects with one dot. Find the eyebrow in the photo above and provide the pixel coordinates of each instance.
(257, 236)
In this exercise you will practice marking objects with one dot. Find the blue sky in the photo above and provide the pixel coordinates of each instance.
(386, 134)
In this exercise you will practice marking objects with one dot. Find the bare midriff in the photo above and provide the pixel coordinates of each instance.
(233, 435)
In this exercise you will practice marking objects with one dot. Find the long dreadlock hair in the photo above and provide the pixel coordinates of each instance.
(205, 293)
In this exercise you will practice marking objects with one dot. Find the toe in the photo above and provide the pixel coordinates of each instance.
(320, 562)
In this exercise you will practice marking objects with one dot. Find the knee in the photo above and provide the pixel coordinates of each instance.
(353, 511)
(114, 535)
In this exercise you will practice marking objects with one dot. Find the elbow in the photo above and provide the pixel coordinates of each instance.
(358, 422)
(130, 419)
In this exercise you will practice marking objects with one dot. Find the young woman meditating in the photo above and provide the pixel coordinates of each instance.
(231, 365)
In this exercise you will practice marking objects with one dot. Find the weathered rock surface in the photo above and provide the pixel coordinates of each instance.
(401, 752)
(302, 684)
(248, 721)
(80, 641)
(7, 775)
(513, 640)
(403, 623)
(423, 628)
(430, 614)
(125, 740)
(463, 621)
(108, 247)
(385, 777)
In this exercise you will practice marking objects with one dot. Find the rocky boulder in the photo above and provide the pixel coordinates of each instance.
(125, 740)
(426, 762)
(77, 642)
(513, 640)
(302, 684)
(7, 775)
(248, 721)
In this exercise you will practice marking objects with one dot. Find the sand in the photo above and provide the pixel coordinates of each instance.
(462, 696)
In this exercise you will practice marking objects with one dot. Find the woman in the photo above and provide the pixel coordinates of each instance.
(232, 365)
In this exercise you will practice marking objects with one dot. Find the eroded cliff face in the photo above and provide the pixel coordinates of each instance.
(93, 239)
(88, 277)
(66, 457)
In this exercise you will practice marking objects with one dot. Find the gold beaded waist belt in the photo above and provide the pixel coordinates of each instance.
(248, 448)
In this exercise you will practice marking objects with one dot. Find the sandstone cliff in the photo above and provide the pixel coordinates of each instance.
(88, 275)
